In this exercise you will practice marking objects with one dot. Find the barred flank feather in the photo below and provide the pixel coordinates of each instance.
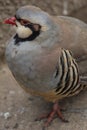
(68, 76)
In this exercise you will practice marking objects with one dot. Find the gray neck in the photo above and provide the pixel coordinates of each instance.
(50, 36)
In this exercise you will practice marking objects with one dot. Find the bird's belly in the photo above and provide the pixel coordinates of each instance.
(33, 68)
(27, 71)
(34, 83)
(30, 77)
(49, 95)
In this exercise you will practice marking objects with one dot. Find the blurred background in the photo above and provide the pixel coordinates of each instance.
(74, 8)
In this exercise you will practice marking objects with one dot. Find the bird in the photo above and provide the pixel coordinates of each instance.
(47, 55)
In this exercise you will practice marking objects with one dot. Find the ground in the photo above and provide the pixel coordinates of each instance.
(18, 109)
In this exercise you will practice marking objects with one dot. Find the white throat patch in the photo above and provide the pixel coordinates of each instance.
(22, 31)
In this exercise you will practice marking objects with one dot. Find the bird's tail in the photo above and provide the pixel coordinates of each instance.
(83, 81)
(83, 86)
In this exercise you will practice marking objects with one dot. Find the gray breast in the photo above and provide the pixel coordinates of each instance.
(23, 61)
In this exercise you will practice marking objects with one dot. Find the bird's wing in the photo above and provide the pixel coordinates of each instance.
(67, 74)
(74, 38)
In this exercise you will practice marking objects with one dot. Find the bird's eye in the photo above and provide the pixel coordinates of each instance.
(24, 22)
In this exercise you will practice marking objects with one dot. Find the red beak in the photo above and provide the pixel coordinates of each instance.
(10, 21)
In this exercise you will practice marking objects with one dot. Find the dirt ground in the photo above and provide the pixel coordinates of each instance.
(18, 109)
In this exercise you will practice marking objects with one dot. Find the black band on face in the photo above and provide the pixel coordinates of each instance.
(30, 38)
(34, 34)
(30, 26)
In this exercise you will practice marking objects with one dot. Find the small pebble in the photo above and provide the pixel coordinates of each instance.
(7, 115)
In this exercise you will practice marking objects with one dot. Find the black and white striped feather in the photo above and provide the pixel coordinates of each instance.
(67, 75)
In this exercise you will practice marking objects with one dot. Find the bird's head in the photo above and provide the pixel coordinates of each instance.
(30, 21)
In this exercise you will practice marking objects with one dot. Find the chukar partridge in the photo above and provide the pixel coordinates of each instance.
(41, 55)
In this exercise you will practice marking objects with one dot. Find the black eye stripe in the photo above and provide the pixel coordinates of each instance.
(26, 24)
(30, 26)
